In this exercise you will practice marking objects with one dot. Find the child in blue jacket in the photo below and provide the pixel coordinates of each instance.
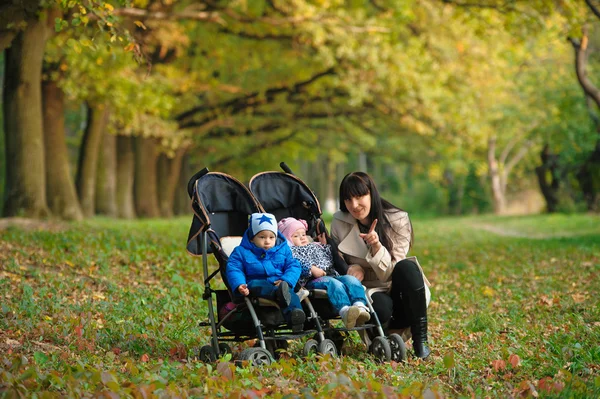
(263, 265)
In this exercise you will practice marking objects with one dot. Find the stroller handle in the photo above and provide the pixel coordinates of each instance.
(286, 168)
(190, 185)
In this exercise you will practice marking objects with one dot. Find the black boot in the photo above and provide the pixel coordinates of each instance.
(415, 304)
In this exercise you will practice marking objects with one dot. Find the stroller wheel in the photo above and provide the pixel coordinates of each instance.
(224, 348)
(327, 347)
(397, 347)
(207, 354)
(381, 349)
(256, 356)
(275, 347)
(311, 346)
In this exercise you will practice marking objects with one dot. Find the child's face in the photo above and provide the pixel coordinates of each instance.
(264, 239)
(299, 238)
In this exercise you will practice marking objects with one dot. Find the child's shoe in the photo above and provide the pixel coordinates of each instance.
(302, 294)
(297, 318)
(283, 294)
(349, 316)
(364, 314)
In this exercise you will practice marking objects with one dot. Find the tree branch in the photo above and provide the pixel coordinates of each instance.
(593, 8)
(219, 164)
(580, 48)
(240, 103)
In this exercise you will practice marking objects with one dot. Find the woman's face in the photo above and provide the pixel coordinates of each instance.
(359, 208)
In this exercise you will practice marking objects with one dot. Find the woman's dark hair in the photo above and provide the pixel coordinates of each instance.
(357, 184)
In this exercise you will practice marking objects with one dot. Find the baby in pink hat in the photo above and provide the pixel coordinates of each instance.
(345, 292)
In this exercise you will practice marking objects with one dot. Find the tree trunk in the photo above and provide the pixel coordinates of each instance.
(88, 157)
(182, 199)
(589, 179)
(498, 195)
(330, 205)
(25, 190)
(125, 176)
(144, 186)
(106, 181)
(169, 170)
(547, 174)
(60, 188)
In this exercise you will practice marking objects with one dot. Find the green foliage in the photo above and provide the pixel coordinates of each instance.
(108, 307)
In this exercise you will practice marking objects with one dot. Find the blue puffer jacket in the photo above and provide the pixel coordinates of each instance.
(249, 262)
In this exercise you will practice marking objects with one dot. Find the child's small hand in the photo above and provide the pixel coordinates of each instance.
(316, 272)
(276, 283)
(243, 289)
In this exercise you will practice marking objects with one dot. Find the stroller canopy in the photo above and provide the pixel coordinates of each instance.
(285, 195)
(222, 203)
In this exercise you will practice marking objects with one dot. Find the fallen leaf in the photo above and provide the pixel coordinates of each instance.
(225, 370)
(145, 357)
(578, 298)
(498, 364)
(514, 360)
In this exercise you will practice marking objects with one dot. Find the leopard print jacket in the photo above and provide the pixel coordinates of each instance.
(315, 254)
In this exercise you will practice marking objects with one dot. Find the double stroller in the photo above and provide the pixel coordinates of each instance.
(221, 206)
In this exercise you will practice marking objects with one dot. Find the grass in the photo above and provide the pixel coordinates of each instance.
(109, 307)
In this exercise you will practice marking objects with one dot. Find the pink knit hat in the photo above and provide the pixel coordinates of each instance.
(288, 226)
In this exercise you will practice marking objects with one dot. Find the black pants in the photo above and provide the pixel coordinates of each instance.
(406, 277)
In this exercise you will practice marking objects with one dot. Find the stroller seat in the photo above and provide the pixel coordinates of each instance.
(221, 206)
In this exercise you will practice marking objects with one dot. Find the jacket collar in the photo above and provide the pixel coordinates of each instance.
(352, 244)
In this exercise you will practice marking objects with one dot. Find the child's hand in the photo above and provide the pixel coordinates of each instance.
(322, 239)
(316, 272)
(243, 289)
(276, 283)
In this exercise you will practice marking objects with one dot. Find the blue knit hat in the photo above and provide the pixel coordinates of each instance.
(262, 221)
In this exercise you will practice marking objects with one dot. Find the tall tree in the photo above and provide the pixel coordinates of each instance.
(23, 126)
(88, 157)
(60, 189)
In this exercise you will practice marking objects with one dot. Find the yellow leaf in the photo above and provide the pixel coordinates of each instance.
(488, 291)
(140, 24)
(109, 24)
(109, 7)
(99, 61)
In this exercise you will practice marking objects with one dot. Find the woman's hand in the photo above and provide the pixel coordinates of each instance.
(316, 272)
(243, 289)
(372, 238)
(356, 271)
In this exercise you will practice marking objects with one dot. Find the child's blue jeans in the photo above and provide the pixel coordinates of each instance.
(267, 290)
(342, 290)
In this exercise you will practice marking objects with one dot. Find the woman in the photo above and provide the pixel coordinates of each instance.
(374, 236)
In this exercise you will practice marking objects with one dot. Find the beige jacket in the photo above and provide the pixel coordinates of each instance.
(378, 268)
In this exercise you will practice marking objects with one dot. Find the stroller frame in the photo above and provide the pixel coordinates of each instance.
(199, 237)
(384, 348)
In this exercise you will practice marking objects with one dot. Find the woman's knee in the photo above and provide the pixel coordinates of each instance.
(407, 275)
